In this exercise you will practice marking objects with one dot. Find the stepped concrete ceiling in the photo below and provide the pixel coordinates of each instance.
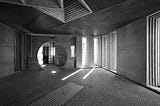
(80, 17)
(63, 10)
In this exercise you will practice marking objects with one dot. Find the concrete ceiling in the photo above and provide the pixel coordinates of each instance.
(109, 19)
(107, 16)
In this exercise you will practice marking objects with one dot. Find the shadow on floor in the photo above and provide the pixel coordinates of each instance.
(22, 88)
(101, 88)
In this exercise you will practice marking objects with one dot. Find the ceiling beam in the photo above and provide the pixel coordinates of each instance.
(57, 13)
(85, 5)
(51, 35)
(93, 13)
(15, 26)
(23, 1)
(19, 2)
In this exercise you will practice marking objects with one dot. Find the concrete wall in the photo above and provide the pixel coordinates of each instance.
(7, 36)
(79, 52)
(131, 51)
(90, 51)
(38, 41)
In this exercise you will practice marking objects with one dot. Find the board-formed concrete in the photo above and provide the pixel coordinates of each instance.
(7, 35)
(59, 96)
(131, 51)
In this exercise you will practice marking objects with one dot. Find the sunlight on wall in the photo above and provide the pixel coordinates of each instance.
(40, 55)
(54, 51)
(72, 51)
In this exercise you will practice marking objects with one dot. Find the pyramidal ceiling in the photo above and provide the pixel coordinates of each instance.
(63, 10)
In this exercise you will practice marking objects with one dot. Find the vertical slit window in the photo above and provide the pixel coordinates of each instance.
(72, 51)
(84, 51)
(95, 51)
(153, 36)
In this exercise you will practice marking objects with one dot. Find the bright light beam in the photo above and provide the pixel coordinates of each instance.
(53, 72)
(43, 66)
(89, 73)
(71, 74)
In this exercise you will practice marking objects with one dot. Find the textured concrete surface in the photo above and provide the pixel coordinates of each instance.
(79, 52)
(59, 96)
(6, 50)
(131, 51)
(25, 87)
(110, 15)
(101, 88)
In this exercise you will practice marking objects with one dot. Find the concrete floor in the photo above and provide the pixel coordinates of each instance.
(101, 88)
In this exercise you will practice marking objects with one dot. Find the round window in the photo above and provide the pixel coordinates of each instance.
(51, 54)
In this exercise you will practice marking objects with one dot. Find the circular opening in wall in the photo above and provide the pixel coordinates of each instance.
(51, 54)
